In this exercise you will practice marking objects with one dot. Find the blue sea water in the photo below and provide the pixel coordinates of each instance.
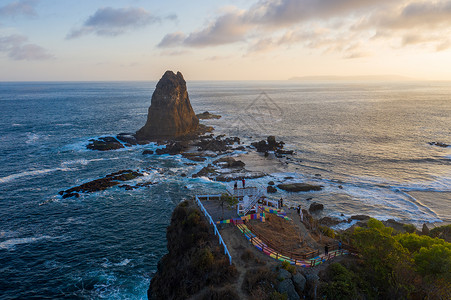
(369, 138)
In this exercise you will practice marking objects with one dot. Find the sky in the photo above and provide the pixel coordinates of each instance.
(103, 40)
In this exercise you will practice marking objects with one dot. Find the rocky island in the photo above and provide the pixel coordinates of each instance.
(170, 113)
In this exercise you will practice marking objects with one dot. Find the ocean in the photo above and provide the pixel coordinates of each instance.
(366, 143)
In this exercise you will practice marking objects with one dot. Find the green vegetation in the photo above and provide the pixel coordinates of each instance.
(442, 232)
(410, 228)
(229, 200)
(327, 231)
(289, 267)
(342, 283)
(403, 265)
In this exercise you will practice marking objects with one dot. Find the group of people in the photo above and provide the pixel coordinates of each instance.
(243, 181)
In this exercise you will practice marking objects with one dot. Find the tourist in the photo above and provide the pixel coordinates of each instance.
(235, 186)
(339, 245)
(281, 202)
(326, 250)
(244, 183)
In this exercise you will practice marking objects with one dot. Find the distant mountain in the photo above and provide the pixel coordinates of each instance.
(354, 78)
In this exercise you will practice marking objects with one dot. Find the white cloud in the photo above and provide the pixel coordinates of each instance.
(16, 8)
(110, 21)
(17, 48)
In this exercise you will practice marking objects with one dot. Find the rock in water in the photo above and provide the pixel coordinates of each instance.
(170, 112)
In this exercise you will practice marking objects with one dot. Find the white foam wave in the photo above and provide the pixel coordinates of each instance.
(11, 243)
(12, 177)
(84, 162)
(108, 264)
(32, 138)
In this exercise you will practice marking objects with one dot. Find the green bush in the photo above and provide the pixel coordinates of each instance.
(278, 296)
(327, 231)
(342, 284)
(414, 242)
(410, 228)
(204, 259)
(434, 261)
(193, 219)
(289, 267)
(441, 230)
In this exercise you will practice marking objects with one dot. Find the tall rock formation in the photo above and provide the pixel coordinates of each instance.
(170, 112)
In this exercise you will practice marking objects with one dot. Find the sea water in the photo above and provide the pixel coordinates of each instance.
(366, 143)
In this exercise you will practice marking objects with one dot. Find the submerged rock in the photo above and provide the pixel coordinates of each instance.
(439, 144)
(299, 187)
(315, 207)
(104, 144)
(172, 148)
(170, 113)
(101, 184)
(207, 115)
(270, 189)
(229, 162)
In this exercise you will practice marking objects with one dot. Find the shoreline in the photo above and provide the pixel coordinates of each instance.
(423, 199)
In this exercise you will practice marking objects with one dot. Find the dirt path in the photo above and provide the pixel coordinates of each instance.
(239, 245)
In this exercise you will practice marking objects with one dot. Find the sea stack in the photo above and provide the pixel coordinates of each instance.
(170, 112)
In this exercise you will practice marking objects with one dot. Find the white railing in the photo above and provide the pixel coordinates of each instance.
(253, 201)
(210, 220)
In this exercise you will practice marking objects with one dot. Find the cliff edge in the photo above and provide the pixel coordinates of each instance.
(195, 264)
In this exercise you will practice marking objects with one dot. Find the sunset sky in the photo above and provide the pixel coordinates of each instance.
(223, 40)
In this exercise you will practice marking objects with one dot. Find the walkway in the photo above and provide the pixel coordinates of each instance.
(298, 261)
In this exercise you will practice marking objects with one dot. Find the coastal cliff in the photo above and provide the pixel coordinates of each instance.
(195, 263)
(170, 113)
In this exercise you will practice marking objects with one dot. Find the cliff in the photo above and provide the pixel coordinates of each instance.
(170, 113)
(195, 263)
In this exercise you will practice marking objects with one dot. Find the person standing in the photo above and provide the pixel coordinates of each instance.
(244, 183)
(326, 250)
(235, 186)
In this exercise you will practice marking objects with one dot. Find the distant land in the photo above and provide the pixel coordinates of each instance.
(354, 78)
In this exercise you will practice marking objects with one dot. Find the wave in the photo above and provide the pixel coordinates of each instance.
(12, 177)
(32, 138)
(12, 243)
(84, 162)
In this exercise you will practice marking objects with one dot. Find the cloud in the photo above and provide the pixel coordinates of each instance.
(269, 25)
(288, 12)
(22, 7)
(227, 29)
(423, 15)
(17, 48)
(172, 39)
(236, 25)
(110, 21)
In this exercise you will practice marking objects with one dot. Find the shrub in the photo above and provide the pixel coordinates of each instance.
(289, 267)
(410, 228)
(440, 231)
(193, 219)
(342, 284)
(203, 259)
(327, 231)
(259, 279)
(435, 261)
